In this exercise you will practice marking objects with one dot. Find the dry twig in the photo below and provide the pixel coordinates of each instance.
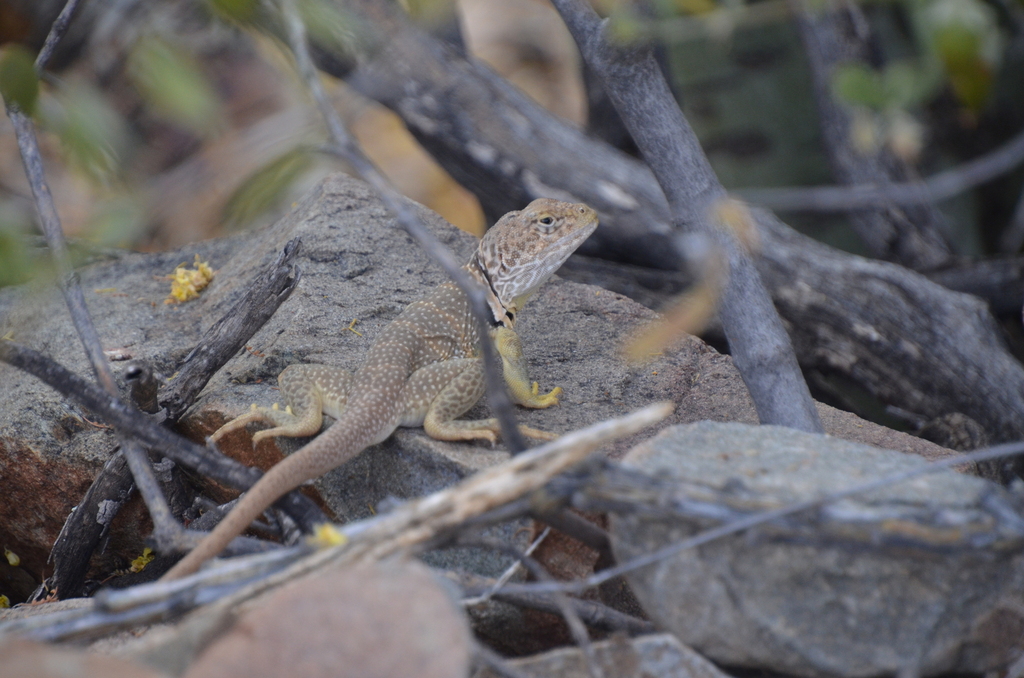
(936, 188)
(28, 145)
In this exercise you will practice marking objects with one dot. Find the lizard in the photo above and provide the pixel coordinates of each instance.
(423, 370)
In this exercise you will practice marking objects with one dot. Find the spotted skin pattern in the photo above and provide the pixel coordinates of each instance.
(423, 370)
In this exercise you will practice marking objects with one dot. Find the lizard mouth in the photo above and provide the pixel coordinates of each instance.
(578, 235)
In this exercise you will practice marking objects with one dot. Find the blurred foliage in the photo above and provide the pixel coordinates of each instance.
(265, 188)
(172, 83)
(18, 262)
(117, 220)
(15, 264)
(107, 131)
(960, 44)
(18, 83)
(241, 11)
(900, 84)
(330, 27)
(965, 36)
(93, 134)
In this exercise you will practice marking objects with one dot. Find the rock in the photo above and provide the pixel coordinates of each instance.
(660, 655)
(357, 264)
(24, 658)
(380, 621)
(926, 576)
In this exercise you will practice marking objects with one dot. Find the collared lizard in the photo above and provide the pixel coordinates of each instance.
(423, 370)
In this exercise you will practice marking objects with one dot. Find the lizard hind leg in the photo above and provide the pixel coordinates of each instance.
(439, 392)
(309, 391)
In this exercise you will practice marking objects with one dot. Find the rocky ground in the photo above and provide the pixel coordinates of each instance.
(924, 578)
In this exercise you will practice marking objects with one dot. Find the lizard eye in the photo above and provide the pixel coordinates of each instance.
(547, 221)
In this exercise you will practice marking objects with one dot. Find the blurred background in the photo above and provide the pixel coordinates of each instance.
(172, 121)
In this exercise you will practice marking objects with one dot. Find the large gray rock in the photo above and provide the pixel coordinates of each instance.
(925, 576)
(357, 264)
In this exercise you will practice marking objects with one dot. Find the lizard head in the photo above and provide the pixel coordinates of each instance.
(524, 248)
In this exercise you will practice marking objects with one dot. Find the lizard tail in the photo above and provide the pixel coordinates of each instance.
(266, 491)
(285, 476)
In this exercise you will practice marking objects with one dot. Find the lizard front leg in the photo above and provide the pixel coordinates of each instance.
(510, 346)
(309, 392)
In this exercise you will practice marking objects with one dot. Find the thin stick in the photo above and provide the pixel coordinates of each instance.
(346, 147)
(508, 573)
(577, 628)
(225, 337)
(760, 347)
(57, 31)
(941, 186)
(49, 220)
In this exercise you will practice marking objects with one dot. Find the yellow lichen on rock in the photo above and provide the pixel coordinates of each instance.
(187, 284)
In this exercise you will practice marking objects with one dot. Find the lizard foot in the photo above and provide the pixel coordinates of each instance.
(536, 433)
(539, 402)
(237, 423)
(284, 421)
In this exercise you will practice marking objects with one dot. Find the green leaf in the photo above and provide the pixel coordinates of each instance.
(906, 84)
(964, 37)
(18, 84)
(858, 85)
(173, 84)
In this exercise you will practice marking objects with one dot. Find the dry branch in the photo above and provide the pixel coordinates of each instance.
(941, 186)
(594, 614)
(757, 339)
(1006, 519)
(81, 534)
(132, 423)
(406, 528)
(905, 339)
(28, 145)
